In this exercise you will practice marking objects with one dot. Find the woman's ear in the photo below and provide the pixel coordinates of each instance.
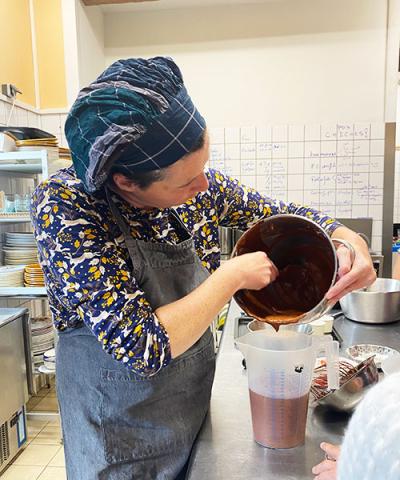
(123, 183)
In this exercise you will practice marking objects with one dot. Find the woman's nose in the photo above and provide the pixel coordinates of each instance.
(203, 183)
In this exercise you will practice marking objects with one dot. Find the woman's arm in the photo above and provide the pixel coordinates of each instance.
(252, 271)
(352, 275)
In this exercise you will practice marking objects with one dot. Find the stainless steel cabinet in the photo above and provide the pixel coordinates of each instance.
(13, 382)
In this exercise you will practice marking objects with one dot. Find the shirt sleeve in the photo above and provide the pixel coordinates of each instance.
(92, 278)
(241, 207)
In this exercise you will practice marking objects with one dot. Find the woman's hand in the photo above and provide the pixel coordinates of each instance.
(352, 275)
(326, 470)
(253, 270)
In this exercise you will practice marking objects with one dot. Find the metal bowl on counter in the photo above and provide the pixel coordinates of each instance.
(379, 303)
(255, 325)
(350, 393)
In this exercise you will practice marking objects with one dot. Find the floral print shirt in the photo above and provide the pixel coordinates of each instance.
(88, 271)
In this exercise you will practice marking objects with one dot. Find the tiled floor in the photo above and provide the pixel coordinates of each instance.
(43, 456)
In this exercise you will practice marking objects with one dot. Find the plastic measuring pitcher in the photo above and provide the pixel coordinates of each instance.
(279, 368)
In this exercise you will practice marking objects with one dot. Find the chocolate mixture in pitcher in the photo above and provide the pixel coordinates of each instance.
(279, 422)
(306, 263)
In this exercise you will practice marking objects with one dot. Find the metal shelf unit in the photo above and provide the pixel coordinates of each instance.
(15, 219)
(23, 292)
(27, 164)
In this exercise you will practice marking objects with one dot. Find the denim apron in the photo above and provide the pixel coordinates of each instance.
(116, 424)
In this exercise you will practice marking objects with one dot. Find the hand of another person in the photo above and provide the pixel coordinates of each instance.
(351, 275)
(253, 270)
(326, 470)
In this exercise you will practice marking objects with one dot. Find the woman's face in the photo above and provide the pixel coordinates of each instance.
(183, 180)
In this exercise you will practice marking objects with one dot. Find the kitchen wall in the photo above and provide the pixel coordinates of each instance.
(274, 63)
(49, 53)
(91, 58)
(54, 123)
(84, 45)
(278, 62)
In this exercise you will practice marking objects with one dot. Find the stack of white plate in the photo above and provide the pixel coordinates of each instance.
(42, 338)
(20, 248)
(12, 276)
(49, 359)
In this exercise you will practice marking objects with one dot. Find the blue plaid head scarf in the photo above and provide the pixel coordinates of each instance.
(138, 115)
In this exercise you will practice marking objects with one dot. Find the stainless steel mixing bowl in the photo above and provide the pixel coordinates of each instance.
(379, 303)
(305, 256)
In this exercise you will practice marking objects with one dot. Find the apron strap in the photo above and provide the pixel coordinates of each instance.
(131, 245)
(135, 251)
(179, 226)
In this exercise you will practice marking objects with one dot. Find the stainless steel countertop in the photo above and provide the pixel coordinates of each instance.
(225, 448)
(7, 315)
(354, 333)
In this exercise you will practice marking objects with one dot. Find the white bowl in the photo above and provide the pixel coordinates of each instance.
(50, 365)
(361, 352)
(50, 354)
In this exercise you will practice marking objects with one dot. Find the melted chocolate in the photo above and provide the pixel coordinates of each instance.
(278, 422)
(305, 259)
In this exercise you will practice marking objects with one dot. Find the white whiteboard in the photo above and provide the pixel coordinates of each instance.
(337, 168)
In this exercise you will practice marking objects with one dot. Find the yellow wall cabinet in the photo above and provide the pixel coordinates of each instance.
(33, 60)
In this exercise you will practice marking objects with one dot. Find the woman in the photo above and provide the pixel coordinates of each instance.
(128, 241)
